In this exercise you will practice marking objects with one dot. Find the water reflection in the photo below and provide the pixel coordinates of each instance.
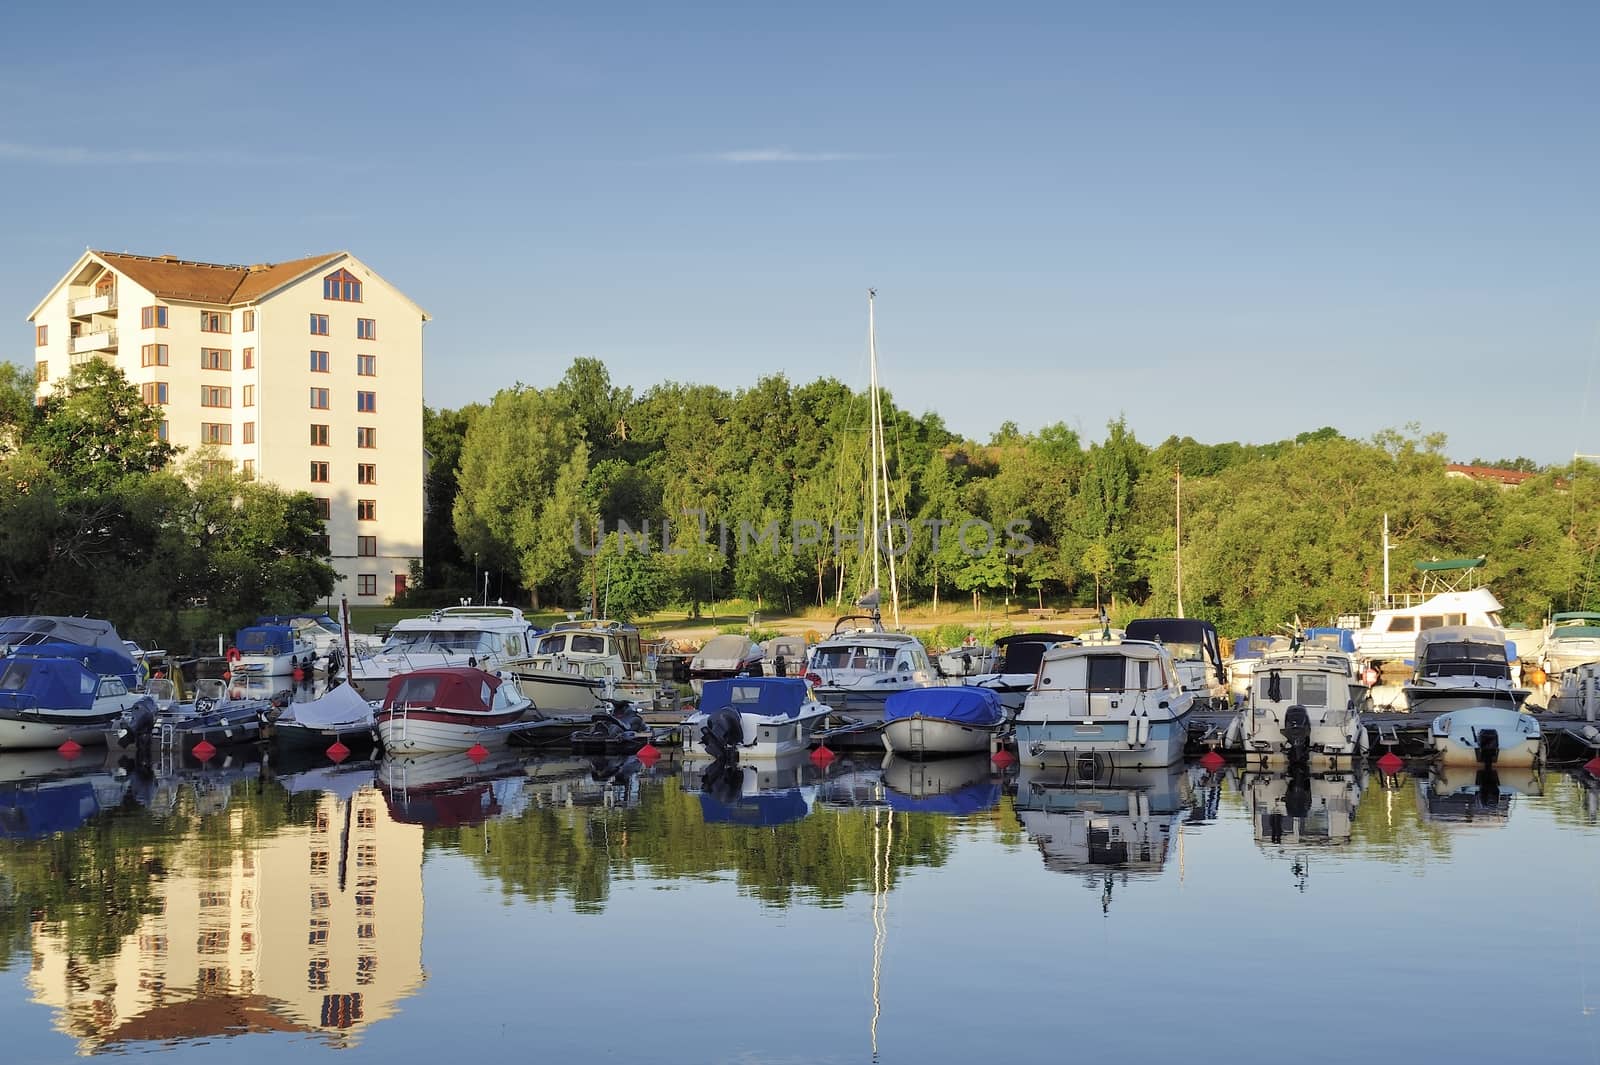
(1299, 810)
(1465, 795)
(954, 787)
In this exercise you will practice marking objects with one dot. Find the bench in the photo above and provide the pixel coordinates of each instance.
(1043, 613)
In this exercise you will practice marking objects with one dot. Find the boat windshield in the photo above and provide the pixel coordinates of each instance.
(1186, 652)
(581, 643)
(866, 657)
(1467, 660)
(442, 641)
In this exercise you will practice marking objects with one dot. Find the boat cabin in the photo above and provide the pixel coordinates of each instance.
(495, 632)
(453, 688)
(595, 640)
(1463, 651)
(1078, 681)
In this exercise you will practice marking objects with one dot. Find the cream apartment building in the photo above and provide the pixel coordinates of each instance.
(307, 374)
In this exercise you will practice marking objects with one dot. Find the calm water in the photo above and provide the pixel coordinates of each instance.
(573, 910)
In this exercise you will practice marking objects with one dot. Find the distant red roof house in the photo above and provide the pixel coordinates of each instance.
(1504, 478)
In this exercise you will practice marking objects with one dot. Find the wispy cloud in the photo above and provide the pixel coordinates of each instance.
(783, 155)
(74, 155)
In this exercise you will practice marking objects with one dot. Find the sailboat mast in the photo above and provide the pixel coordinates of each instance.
(872, 459)
(882, 459)
(1180, 541)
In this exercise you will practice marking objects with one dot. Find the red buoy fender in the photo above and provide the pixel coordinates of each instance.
(233, 654)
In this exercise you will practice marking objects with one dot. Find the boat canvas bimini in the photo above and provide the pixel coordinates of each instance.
(754, 717)
(1016, 666)
(449, 709)
(270, 651)
(938, 721)
(1118, 704)
(46, 701)
(1303, 708)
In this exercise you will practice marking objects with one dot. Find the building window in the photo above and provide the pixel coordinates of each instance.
(324, 545)
(41, 336)
(366, 436)
(153, 317)
(216, 433)
(367, 365)
(217, 467)
(319, 436)
(153, 355)
(249, 358)
(248, 434)
(41, 372)
(247, 322)
(247, 397)
(341, 285)
(319, 325)
(366, 510)
(367, 546)
(324, 507)
(367, 473)
(367, 584)
(366, 329)
(319, 399)
(164, 432)
(154, 392)
(249, 469)
(215, 359)
(367, 402)
(215, 322)
(319, 473)
(212, 396)
(319, 362)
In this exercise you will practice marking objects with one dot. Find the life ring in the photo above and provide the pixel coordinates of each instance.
(233, 654)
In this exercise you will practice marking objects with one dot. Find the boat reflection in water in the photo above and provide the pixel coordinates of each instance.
(42, 793)
(773, 791)
(954, 787)
(1464, 795)
(1298, 810)
(313, 926)
(448, 789)
(1117, 823)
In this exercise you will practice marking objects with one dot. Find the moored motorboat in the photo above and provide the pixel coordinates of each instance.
(1196, 655)
(1571, 640)
(1241, 662)
(937, 721)
(1302, 708)
(859, 666)
(342, 715)
(45, 702)
(1462, 666)
(483, 637)
(270, 651)
(1016, 665)
(1487, 736)
(727, 655)
(783, 656)
(1119, 704)
(754, 717)
(577, 665)
(448, 708)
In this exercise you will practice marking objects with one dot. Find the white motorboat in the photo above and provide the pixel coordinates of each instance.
(1196, 654)
(858, 667)
(1304, 708)
(578, 664)
(958, 719)
(449, 709)
(754, 717)
(724, 656)
(1108, 705)
(1487, 736)
(1017, 666)
(783, 656)
(971, 659)
(1462, 666)
(1240, 664)
(270, 651)
(45, 702)
(483, 637)
(1571, 640)
(1444, 600)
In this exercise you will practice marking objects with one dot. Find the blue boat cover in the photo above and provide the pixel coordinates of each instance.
(106, 661)
(46, 684)
(1338, 639)
(265, 640)
(976, 797)
(34, 813)
(1251, 646)
(767, 696)
(767, 808)
(963, 704)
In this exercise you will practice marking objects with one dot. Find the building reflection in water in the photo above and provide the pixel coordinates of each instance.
(316, 928)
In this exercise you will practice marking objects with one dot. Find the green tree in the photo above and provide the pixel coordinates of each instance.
(94, 427)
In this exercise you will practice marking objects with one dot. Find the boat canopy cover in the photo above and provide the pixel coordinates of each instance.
(1172, 630)
(451, 687)
(767, 696)
(1444, 565)
(265, 640)
(286, 619)
(1331, 637)
(1575, 632)
(963, 704)
(1252, 646)
(767, 808)
(39, 627)
(1022, 653)
(341, 706)
(727, 648)
(106, 661)
(974, 798)
(47, 684)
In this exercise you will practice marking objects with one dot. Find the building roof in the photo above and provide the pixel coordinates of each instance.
(172, 278)
(1488, 473)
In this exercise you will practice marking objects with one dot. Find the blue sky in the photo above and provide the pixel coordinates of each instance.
(1234, 221)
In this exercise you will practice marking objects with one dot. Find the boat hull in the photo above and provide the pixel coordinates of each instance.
(922, 736)
(272, 665)
(1459, 738)
(421, 731)
(42, 731)
(1153, 743)
(554, 692)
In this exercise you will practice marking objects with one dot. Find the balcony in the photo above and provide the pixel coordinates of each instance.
(103, 340)
(84, 306)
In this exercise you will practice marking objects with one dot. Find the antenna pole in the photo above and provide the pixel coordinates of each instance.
(1180, 541)
(1387, 547)
(872, 447)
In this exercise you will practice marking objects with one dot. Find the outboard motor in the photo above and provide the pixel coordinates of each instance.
(722, 734)
(1297, 735)
(138, 722)
(780, 666)
(1488, 746)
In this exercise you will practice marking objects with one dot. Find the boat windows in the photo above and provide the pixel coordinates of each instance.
(1432, 621)
(1106, 673)
(443, 641)
(1466, 660)
(417, 691)
(1186, 652)
(553, 645)
(111, 687)
(1313, 691)
(15, 678)
(1403, 624)
(1494, 620)
(588, 645)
